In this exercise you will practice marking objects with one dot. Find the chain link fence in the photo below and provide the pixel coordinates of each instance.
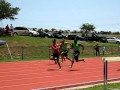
(43, 52)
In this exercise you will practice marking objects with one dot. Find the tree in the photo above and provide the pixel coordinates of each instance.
(40, 30)
(46, 30)
(87, 28)
(60, 31)
(7, 11)
(67, 32)
(53, 29)
(74, 31)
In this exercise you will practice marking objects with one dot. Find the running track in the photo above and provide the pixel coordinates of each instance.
(29, 75)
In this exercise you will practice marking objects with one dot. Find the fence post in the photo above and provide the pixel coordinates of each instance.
(104, 75)
(22, 53)
(49, 51)
(119, 50)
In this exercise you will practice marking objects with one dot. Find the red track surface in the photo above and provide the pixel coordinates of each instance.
(40, 74)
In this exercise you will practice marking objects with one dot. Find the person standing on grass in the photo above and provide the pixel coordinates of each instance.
(11, 29)
(64, 50)
(56, 52)
(76, 51)
(103, 50)
(7, 29)
(97, 49)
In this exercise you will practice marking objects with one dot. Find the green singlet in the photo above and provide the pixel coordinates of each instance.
(76, 47)
(64, 47)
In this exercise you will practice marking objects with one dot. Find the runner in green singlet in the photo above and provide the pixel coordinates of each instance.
(76, 51)
(64, 50)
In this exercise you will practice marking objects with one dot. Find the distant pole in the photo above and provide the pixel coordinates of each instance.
(119, 50)
(22, 53)
(105, 74)
(69, 32)
(49, 51)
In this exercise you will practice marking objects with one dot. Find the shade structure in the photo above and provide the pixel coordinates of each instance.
(2, 42)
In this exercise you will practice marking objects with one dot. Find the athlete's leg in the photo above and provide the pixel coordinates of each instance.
(54, 58)
(66, 55)
(77, 57)
(72, 61)
(58, 61)
(62, 56)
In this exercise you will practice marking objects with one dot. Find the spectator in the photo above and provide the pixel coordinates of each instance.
(97, 51)
(12, 29)
(7, 29)
(103, 50)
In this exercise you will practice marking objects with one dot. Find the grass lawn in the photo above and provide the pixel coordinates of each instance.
(101, 87)
(37, 41)
(36, 48)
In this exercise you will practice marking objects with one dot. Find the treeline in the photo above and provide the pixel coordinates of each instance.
(109, 32)
(77, 31)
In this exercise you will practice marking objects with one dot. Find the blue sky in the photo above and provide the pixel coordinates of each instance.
(67, 14)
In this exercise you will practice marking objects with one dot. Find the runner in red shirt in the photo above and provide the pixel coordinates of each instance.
(56, 52)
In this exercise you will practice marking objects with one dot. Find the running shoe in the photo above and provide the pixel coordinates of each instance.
(83, 59)
(60, 69)
(70, 66)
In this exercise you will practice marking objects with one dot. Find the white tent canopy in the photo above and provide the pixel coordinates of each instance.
(2, 42)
